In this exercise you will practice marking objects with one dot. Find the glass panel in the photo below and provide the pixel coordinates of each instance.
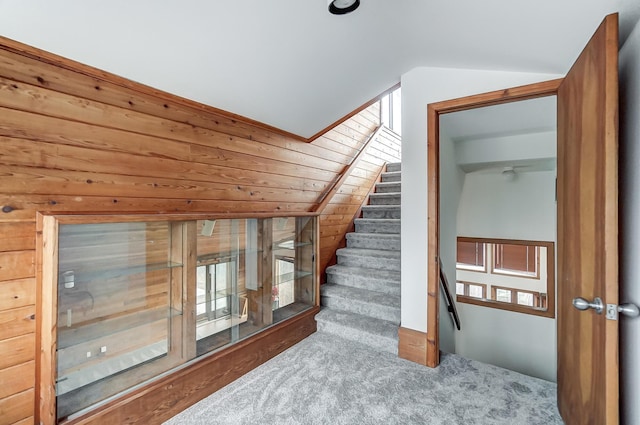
(121, 313)
(503, 295)
(525, 298)
(475, 291)
(118, 296)
(470, 255)
(260, 271)
(516, 259)
(459, 288)
(524, 281)
(220, 282)
(293, 266)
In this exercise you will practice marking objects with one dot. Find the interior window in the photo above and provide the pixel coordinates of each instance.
(521, 277)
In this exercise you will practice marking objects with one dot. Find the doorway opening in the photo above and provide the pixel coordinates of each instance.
(434, 167)
(497, 232)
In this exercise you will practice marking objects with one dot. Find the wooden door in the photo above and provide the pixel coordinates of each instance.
(588, 231)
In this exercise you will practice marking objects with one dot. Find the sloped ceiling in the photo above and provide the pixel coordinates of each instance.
(291, 64)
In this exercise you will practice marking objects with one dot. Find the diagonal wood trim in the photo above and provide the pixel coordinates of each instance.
(352, 227)
(353, 113)
(26, 50)
(326, 197)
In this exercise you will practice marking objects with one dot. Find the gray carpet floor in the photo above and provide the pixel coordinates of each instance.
(328, 380)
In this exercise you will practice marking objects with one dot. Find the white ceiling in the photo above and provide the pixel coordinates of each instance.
(514, 118)
(518, 134)
(291, 64)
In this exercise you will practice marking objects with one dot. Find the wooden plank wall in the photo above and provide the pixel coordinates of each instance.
(337, 218)
(77, 139)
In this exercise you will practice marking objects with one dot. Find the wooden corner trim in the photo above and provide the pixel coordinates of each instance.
(413, 346)
(353, 113)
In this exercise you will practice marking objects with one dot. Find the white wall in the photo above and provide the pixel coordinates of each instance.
(629, 224)
(493, 207)
(420, 87)
(451, 184)
(525, 209)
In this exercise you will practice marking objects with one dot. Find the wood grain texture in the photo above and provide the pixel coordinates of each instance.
(17, 350)
(344, 206)
(17, 321)
(17, 293)
(412, 345)
(16, 408)
(79, 140)
(16, 379)
(588, 231)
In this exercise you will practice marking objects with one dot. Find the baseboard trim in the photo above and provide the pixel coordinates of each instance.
(412, 345)
(163, 399)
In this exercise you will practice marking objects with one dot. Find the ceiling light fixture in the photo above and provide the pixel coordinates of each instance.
(342, 7)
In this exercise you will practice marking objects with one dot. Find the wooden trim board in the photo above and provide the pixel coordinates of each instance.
(412, 345)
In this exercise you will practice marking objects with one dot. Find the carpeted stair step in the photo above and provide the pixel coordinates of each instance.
(394, 166)
(384, 198)
(389, 242)
(378, 334)
(381, 211)
(388, 187)
(378, 225)
(369, 258)
(384, 281)
(361, 301)
(393, 176)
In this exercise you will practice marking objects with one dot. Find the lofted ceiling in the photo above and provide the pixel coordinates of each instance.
(291, 64)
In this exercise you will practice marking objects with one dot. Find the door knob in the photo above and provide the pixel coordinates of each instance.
(629, 310)
(582, 304)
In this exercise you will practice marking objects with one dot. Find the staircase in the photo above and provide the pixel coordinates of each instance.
(361, 299)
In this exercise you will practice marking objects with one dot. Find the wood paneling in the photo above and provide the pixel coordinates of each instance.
(16, 265)
(17, 321)
(16, 408)
(17, 350)
(16, 379)
(17, 293)
(337, 216)
(79, 140)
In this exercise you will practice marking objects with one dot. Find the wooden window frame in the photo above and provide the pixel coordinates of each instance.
(469, 267)
(549, 312)
(539, 296)
(515, 273)
(466, 290)
(206, 373)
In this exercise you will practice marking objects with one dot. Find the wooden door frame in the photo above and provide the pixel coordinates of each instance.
(434, 110)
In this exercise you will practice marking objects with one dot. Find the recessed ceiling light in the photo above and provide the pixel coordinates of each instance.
(342, 7)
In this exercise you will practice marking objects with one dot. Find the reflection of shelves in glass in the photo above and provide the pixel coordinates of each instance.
(109, 366)
(84, 276)
(289, 244)
(83, 331)
(298, 274)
